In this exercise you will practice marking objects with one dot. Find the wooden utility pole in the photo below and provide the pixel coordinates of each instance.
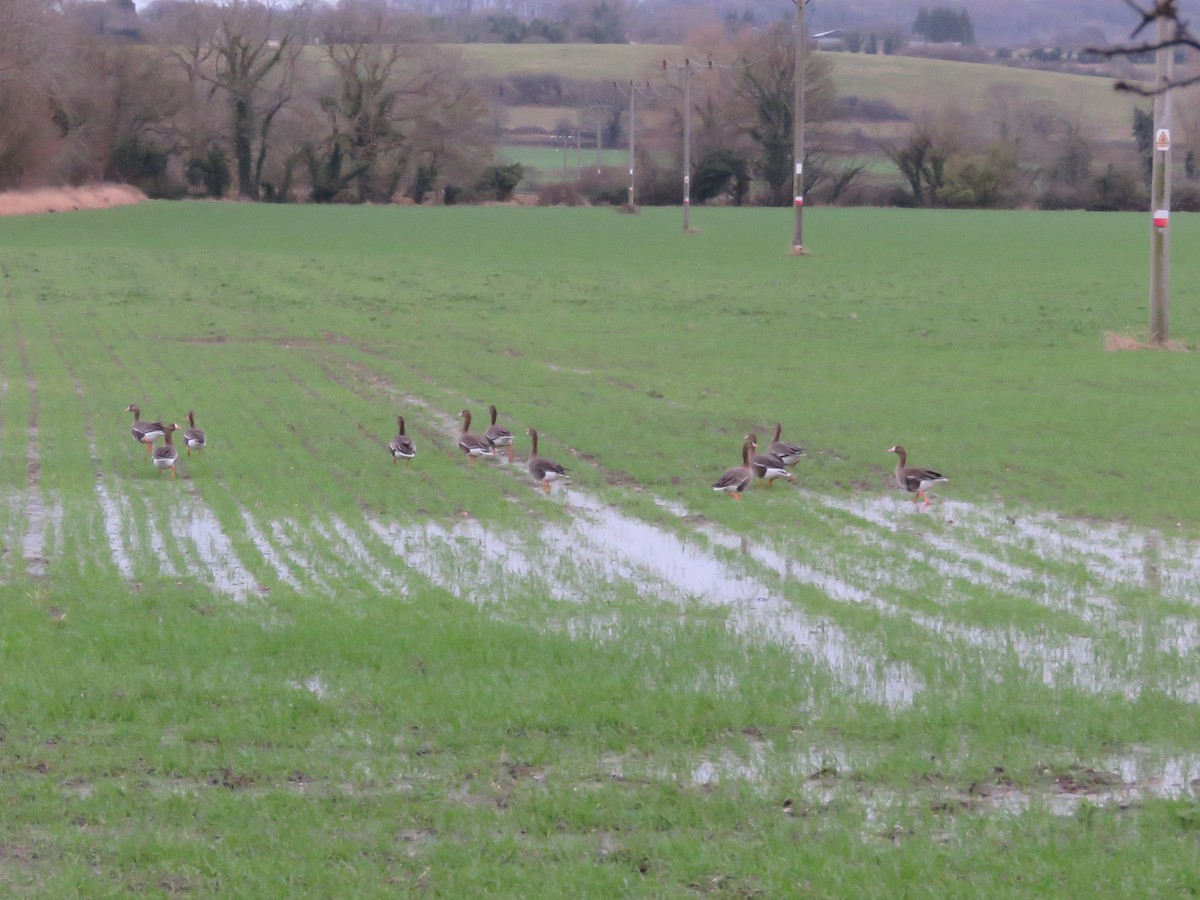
(686, 71)
(798, 121)
(687, 143)
(1160, 190)
(632, 125)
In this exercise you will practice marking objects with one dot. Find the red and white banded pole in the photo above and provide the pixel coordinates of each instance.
(798, 123)
(1160, 191)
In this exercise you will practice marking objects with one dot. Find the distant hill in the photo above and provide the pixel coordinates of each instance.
(1012, 22)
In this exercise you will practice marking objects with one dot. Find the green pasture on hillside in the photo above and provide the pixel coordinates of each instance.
(912, 84)
(297, 669)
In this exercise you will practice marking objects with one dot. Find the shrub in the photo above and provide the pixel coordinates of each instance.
(210, 170)
(561, 193)
(498, 182)
(139, 163)
(1115, 190)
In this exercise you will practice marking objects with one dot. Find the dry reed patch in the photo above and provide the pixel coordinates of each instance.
(47, 200)
(1114, 342)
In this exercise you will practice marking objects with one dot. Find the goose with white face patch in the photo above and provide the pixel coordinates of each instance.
(767, 466)
(914, 479)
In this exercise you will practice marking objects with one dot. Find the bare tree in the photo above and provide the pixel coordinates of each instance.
(923, 158)
(449, 129)
(377, 66)
(746, 109)
(247, 51)
(1179, 34)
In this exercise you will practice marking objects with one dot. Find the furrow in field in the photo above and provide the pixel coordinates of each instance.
(34, 538)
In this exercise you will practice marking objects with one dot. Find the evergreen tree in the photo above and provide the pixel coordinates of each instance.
(941, 24)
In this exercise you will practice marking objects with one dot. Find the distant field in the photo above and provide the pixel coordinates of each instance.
(551, 163)
(910, 83)
(298, 669)
(913, 84)
(618, 62)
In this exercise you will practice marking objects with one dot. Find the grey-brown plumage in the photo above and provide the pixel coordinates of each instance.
(473, 445)
(914, 479)
(543, 470)
(193, 437)
(498, 434)
(789, 454)
(767, 466)
(401, 446)
(144, 432)
(735, 480)
(165, 457)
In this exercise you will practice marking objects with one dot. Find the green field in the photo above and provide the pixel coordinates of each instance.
(911, 84)
(547, 163)
(300, 670)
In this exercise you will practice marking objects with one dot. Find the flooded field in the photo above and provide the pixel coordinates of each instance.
(296, 663)
(875, 552)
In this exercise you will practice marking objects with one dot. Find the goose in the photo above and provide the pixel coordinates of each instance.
(144, 432)
(472, 444)
(735, 480)
(767, 466)
(193, 437)
(499, 435)
(402, 446)
(164, 457)
(914, 479)
(789, 454)
(542, 469)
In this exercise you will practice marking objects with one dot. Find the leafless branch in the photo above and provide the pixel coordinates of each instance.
(1180, 36)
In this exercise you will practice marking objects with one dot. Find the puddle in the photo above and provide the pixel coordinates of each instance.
(40, 520)
(314, 684)
(607, 553)
(822, 775)
(349, 547)
(265, 549)
(201, 528)
(1111, 555)
(116, 512)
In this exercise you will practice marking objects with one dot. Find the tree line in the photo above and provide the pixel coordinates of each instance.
(353, 102)
(249, 97)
